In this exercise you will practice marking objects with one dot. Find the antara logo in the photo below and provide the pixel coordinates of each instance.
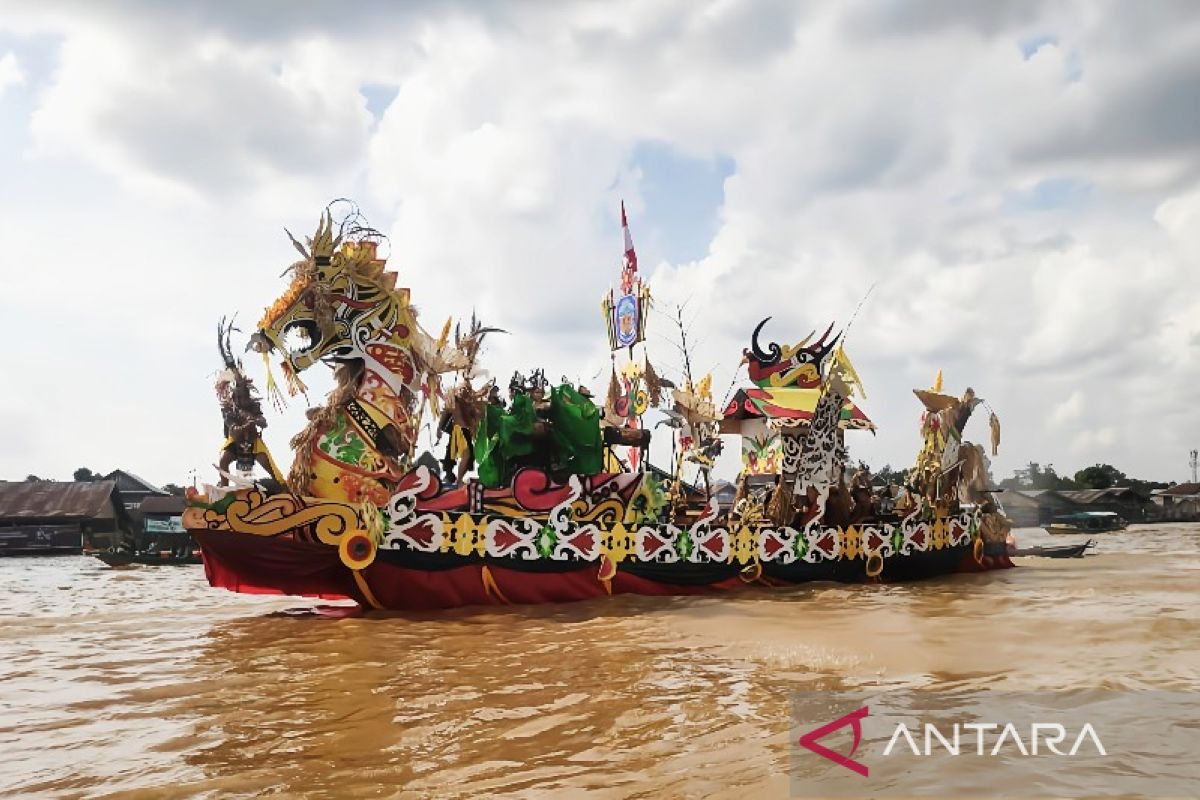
(1047, 734)
(1043, 737)
(854, 720)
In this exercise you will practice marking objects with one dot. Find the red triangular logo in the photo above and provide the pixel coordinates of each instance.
(853, 719)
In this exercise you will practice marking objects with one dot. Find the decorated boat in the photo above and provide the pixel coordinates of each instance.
(545, 496)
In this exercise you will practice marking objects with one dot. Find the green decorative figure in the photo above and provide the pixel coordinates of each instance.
(560, 435)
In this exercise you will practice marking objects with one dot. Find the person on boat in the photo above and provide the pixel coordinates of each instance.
(904, 500)
(995, 530)
(861, 479)
(839, 507)
(128, 542)
(887, 500)
(861, 494)
(459, 420)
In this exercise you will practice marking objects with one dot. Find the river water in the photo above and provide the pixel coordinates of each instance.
(144, 682)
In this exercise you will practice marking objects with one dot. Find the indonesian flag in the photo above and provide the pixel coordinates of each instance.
(630, 255)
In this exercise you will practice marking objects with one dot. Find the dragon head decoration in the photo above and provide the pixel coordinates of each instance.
(801, 364)
(342, 308)
(340, 301)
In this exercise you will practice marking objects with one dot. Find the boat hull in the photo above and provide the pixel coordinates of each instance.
(119, 559)
(1066, 551)
(1061, 530)
(420, 581)
(541, 542)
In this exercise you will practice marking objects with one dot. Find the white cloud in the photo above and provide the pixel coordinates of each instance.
(902, 150)
(1098, 441)
(213, 121)
(1179, 216)
(1067, 411)
(11, 73)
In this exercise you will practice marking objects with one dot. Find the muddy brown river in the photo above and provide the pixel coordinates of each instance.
(146, 683)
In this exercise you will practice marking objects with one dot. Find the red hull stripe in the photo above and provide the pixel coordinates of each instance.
(280, 565)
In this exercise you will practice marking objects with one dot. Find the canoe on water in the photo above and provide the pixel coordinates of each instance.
(1066, 551)
(164, 558)
(1087, 522)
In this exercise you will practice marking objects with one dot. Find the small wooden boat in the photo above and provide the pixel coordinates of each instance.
(1067, 551)
(1087, 522)
(123, 558)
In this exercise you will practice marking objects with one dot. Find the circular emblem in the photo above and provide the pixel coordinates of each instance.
(357, 550)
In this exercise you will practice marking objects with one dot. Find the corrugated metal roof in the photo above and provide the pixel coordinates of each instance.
(1181, 490)
(1038, 497)
(1086, 496)
(47, 499)
(1016, 497)
(127, 481)
(163, 505)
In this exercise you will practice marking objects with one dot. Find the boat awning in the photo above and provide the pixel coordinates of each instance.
(790, 405)
(1081, 516)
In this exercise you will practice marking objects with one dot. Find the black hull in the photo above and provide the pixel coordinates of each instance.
(143, 559)
(1068, 551)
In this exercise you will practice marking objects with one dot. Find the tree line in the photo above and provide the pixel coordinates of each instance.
(1036, 476)
(1098, 476)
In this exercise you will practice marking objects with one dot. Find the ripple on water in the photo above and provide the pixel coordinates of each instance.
(145, 682)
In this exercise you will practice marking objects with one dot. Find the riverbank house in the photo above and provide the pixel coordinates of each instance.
(51, 517)
(1036, 508)
(1179, 503)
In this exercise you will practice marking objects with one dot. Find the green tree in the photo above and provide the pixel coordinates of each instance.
(1025, 477)
(33, 479)
(1035, 476)
(1146, 488)
(85, 474)
(1101, 476)
(171, 488)
(1097, 476)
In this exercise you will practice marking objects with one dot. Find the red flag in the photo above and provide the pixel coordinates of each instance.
(630, 255)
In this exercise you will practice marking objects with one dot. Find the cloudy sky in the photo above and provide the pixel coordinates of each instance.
(1019, 181)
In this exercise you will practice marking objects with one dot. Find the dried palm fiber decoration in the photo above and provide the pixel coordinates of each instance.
(994, 423)
(273, 393)
(654, 387)
(369, 513)
(614, 391)
(469, 404)
(348, 376)
(780, 510)
(295, 386)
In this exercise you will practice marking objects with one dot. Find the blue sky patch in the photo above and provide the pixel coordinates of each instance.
(378, 96)
(682, 197)
(1034, 43)
(1051, 194)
